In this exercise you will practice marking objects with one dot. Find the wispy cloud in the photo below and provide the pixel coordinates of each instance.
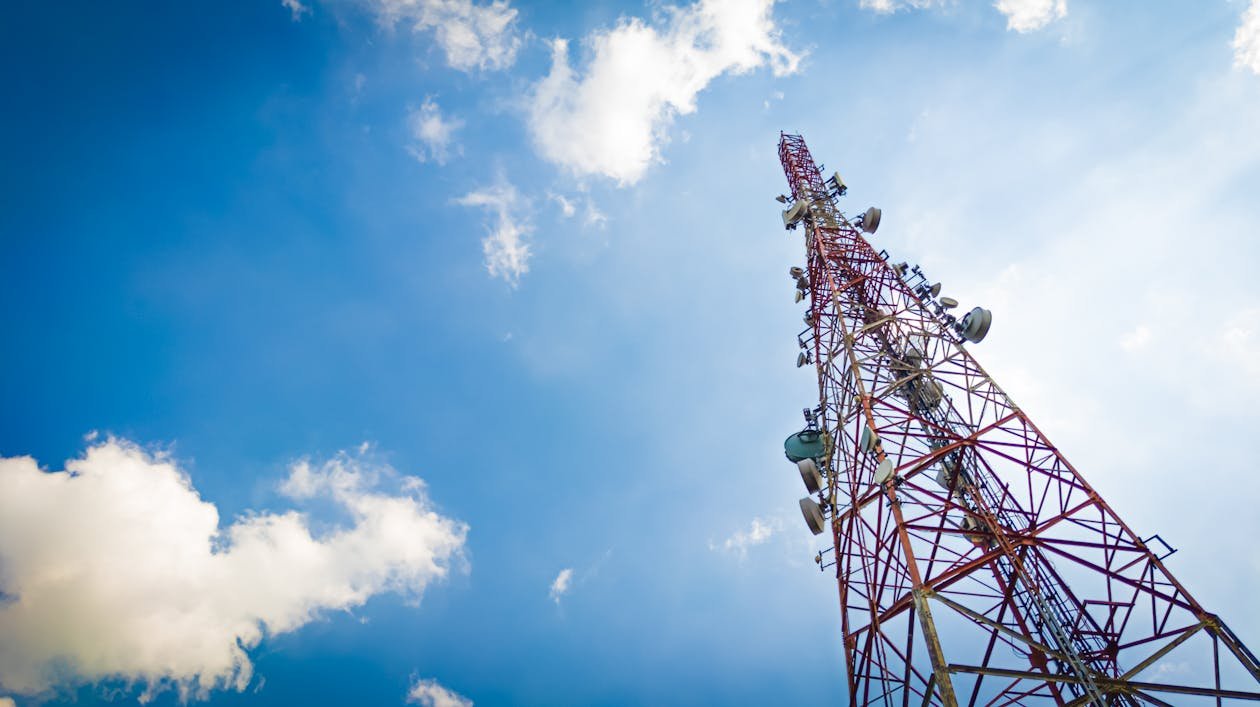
(1247, 39)
(613, 119)
(433, 136)
(1236, 342)
(506, 252)
(890, 6)
(160, 596)
(473, 36)
(429, 693)
(567, 207)
(560, 586)
(1021, 15)
(1136, 339)
(592, 217)
(296, 8)
(758, 532)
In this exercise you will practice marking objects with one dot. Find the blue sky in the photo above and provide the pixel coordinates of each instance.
(445, 349)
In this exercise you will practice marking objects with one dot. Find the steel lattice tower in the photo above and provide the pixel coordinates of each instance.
(974, 564)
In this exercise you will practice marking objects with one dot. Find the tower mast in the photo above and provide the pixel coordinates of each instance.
(975, 565)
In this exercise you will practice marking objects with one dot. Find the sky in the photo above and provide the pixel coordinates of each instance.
(441, 352)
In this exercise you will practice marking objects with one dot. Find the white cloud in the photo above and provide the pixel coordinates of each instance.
(567, 207)
(1236, 344)
(890, 6)
(432, 134)
(1168, 667)
(507, 254)
(117, 569)
(1021, 15)
(758, 532)
(472, 36)
(298, 9)
(1136, 339)
(613, 120)
(560, 586)
(428, 693)
(1029, 15)
(592, 217)
(1247, 39)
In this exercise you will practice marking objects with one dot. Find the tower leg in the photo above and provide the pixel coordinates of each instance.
(940, 670)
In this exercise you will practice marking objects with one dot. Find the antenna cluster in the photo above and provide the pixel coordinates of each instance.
(973, 326)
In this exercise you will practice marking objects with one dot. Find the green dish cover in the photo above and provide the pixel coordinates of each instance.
(806, 444)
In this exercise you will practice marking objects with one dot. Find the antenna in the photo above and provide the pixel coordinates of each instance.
(975, 325)
(869, 220)
(795, 213)
(810, 475)
(813, 515)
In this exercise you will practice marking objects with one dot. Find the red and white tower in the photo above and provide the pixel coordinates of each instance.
(975, 565)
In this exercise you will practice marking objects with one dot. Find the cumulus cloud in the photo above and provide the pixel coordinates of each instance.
(1247, 40)
(1029, 15)
(759, 531)
(428, 693)
(116, 568)
(473, 36)
(560, 586)
(613, 119)
(506, 252)
(432, 135)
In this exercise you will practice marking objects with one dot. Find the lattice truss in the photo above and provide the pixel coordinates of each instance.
(985, 570)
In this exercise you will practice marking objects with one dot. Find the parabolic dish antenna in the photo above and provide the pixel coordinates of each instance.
(884, 471)
(810, 475)
(975, 324)
(813, 515)
(870, 219)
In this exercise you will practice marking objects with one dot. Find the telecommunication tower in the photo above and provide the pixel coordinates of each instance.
(975, 565)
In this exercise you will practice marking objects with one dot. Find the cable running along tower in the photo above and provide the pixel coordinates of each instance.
(975, 565)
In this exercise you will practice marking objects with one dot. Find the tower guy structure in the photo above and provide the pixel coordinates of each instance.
(975, 566)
